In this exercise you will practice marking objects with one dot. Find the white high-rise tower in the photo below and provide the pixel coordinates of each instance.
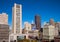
(17, 19)
(16, 22)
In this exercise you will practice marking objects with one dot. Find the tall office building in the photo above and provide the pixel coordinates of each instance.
(38, 25)
(3, 18)
(37, 22)
(17, 19)
(52, 22)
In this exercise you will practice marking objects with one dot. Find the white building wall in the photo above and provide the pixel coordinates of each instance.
(48, 32)
(16, 28)
(14, 18)
(15, 12)
(51, 32)
(20, 19)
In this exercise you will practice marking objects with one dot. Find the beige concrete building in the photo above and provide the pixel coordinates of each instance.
(48, 32)
(27, 27)
(17, 19)
(3, 18)
(28, 30)
(33, 33)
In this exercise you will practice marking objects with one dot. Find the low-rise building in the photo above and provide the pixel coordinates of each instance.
(48, 32)
(4, 33)
(27, 27)
(57, 39)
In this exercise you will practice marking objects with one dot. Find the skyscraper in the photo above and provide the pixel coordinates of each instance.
(3, 18)
(37, 22)
(38, 25)
(17, 19)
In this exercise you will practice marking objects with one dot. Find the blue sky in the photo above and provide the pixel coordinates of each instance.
(45, 8)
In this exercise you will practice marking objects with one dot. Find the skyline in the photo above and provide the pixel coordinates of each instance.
(45, 8)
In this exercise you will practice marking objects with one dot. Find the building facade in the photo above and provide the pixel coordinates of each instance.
(37, 22)
(17, 19)
(27, 27)
(58, 27)
(4, 33)
(16, 22)
(3, 18)
(48, 32)
(57, 39)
